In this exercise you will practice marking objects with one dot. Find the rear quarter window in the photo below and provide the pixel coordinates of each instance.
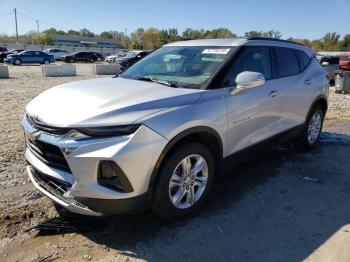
(286, 63)
(303, 59)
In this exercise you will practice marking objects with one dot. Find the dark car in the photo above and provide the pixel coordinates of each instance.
(131, 58)
(87, 57)
(4, 54)
(30, 57)
(331, 65)
(3, 49)
(99, 57)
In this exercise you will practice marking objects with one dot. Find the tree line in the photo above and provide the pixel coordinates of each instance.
(153, 38)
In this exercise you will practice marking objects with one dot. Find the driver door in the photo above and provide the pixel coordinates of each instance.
(253, 113)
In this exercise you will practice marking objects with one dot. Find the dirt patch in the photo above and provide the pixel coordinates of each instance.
(282, 206)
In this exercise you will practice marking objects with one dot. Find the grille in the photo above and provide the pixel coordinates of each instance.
(50, 184)
(54, 186)
(49, 154)
(47, 129)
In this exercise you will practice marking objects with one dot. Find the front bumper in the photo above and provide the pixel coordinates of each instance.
(135, 154)
(8, 60)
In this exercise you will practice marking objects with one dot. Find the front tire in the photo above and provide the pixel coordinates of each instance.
(312, 128)
(185, 181)
(17, 62)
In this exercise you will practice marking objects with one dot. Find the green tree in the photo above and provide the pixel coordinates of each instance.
(73, 32)
(53, 31)
(152, 38)
(221, 33)
(345, 43)
(107, 35)
(137, 39)
(86, 32)
(330, 41)
(271, 34)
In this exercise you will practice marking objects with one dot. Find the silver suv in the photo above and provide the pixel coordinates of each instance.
(158, 134)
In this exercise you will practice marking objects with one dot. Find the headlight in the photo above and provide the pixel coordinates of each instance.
(110, 130)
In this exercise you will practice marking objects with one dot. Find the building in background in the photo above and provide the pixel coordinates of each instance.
(83, 41)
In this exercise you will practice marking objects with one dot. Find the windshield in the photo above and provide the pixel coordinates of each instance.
(183, 66)
(130, 54)
(345, 58)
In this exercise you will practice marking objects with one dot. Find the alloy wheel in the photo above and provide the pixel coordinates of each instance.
(314, 128)
(188, 181)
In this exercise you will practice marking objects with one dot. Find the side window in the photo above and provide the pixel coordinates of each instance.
(286, 63)
(303, 59)
(255, 59)
(334, 61)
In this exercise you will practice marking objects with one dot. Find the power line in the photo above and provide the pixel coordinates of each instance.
(41, 21)
(5, 14)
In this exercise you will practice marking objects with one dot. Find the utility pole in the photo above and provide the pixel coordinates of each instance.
(37, 26)
(16, 25)
(126, 38)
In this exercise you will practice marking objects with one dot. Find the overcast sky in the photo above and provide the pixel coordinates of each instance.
(294, 18)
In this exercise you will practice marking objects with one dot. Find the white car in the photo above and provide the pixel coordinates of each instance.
(57, 53)
(112, 58)
(158, 134)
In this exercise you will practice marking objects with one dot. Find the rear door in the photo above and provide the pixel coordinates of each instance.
(79, 56)
(294, 85)
(27, 57)
(38, 57)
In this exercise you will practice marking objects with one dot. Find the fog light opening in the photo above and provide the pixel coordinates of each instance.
(110, 175)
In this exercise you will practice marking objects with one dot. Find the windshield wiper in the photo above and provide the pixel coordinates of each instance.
(158, 81)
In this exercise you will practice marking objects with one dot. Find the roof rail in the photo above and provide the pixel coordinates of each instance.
(274, 39)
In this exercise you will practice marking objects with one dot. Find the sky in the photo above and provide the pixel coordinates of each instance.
(310, 19)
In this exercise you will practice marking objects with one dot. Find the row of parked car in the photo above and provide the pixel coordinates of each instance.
(332, 64)
(125, 58)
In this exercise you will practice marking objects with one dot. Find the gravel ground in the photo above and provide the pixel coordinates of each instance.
(285, 206)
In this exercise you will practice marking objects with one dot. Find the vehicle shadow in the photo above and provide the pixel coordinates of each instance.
(275, 207)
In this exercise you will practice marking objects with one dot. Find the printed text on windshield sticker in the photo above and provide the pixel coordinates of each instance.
(218, 51)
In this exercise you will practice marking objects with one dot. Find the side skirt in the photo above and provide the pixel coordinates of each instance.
(265, 145)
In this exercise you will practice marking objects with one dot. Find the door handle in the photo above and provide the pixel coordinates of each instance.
(273, 93)
(307, 82)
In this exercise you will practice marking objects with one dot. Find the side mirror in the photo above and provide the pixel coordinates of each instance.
(325, 63)
(248, 79)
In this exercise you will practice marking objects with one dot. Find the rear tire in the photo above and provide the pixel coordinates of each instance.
(185, 181)
(312, 129)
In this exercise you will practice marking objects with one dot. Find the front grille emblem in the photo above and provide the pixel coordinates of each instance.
(33, 136)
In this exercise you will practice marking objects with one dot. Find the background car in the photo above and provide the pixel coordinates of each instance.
(31, 57)
(131, 58)
(57, 53)
(344, 63)
(4, 54)
(3, 49)
(114, 57)
(99, 57)
(14, 51)
(87, 57)
(330, 64)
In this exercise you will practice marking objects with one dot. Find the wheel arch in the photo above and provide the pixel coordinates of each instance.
(321, 100)
(201, 134)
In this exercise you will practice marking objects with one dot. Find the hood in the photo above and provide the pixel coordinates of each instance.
(105, 102)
